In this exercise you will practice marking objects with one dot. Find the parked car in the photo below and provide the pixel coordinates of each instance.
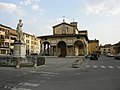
(94, 56)
(117, 56)
(109, 55)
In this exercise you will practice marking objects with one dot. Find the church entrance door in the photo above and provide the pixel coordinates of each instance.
(62, 48)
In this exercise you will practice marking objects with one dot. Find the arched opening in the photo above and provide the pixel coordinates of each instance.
(79, 48)
(46, 48)
(62, 49)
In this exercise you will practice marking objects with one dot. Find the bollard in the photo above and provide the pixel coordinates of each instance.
(35, 62)
(18, 63)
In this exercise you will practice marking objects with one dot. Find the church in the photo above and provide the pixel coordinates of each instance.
(66, 40)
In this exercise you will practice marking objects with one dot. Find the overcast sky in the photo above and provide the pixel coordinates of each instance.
(100, 17)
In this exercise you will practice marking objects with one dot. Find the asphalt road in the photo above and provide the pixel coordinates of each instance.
(58, 74)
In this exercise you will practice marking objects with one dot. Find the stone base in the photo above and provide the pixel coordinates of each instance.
(17, 66)
(19, 49)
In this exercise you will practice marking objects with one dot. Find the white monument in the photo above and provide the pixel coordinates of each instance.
(19, 45)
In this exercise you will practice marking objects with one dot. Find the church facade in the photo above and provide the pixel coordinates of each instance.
(66, 40)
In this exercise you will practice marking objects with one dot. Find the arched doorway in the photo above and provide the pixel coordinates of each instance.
(62, 49)
(79, 48)
(46, 48)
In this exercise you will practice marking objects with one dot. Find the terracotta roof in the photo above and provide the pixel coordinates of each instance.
(5, 26)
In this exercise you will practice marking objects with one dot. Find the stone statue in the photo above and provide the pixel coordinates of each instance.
(19, 31)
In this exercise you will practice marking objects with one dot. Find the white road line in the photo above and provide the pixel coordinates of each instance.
(29, 84)
(24, 73)
(50, 73)
(44, 72)
(87, 66)
(118, 67)
(103, 66)
(20, 88)
(18, 75)
(94, 66)
(46, 75)
(77, 73)
(111, 67)
(43, 81)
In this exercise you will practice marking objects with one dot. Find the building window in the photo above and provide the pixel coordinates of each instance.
(27, 41)
(31, 47)
(32, 42)
(104, 49)
(3, 51)
(35, 43)
(27, 47)
(27, 36)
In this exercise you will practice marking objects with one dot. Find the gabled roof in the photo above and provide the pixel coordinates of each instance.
(62, 24)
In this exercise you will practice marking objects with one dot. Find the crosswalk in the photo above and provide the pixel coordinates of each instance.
(102, 66)
(40, 77)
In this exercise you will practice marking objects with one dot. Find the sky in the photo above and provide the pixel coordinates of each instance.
(101, 18)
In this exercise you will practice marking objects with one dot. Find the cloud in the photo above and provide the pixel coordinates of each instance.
(106, 7)
(35, 7)
(33, 3)
(10, 7)
(29, 2)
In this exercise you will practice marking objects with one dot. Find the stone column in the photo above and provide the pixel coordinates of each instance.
(48, 49)
(44, 48)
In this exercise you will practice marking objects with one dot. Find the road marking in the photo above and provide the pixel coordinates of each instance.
(111, 67)
(87, 66)
(29, 84)
(77, 73)
(94, 66)
(6, 87)
(18, 75)
(118, 67)
(20, 88)
(50, 73)
(46, 75)
(43, 81)
(103, 66)
(44, 72)
(24, 73)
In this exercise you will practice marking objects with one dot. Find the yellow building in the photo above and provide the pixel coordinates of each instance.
(66, 40)
(9, 35)
(93, 46)
(32, 43)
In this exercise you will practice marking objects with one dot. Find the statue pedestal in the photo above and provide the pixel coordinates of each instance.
(19, 52)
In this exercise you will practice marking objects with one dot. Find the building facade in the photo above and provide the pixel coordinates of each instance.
(93, 46)
(9, 35)
(66, 40)
(108, 48)
(115, 48)
(32, 44)
(105, 49)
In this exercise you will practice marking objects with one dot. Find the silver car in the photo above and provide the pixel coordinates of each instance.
(117, 56)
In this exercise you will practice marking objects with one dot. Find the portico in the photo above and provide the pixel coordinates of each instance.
(66, 40)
